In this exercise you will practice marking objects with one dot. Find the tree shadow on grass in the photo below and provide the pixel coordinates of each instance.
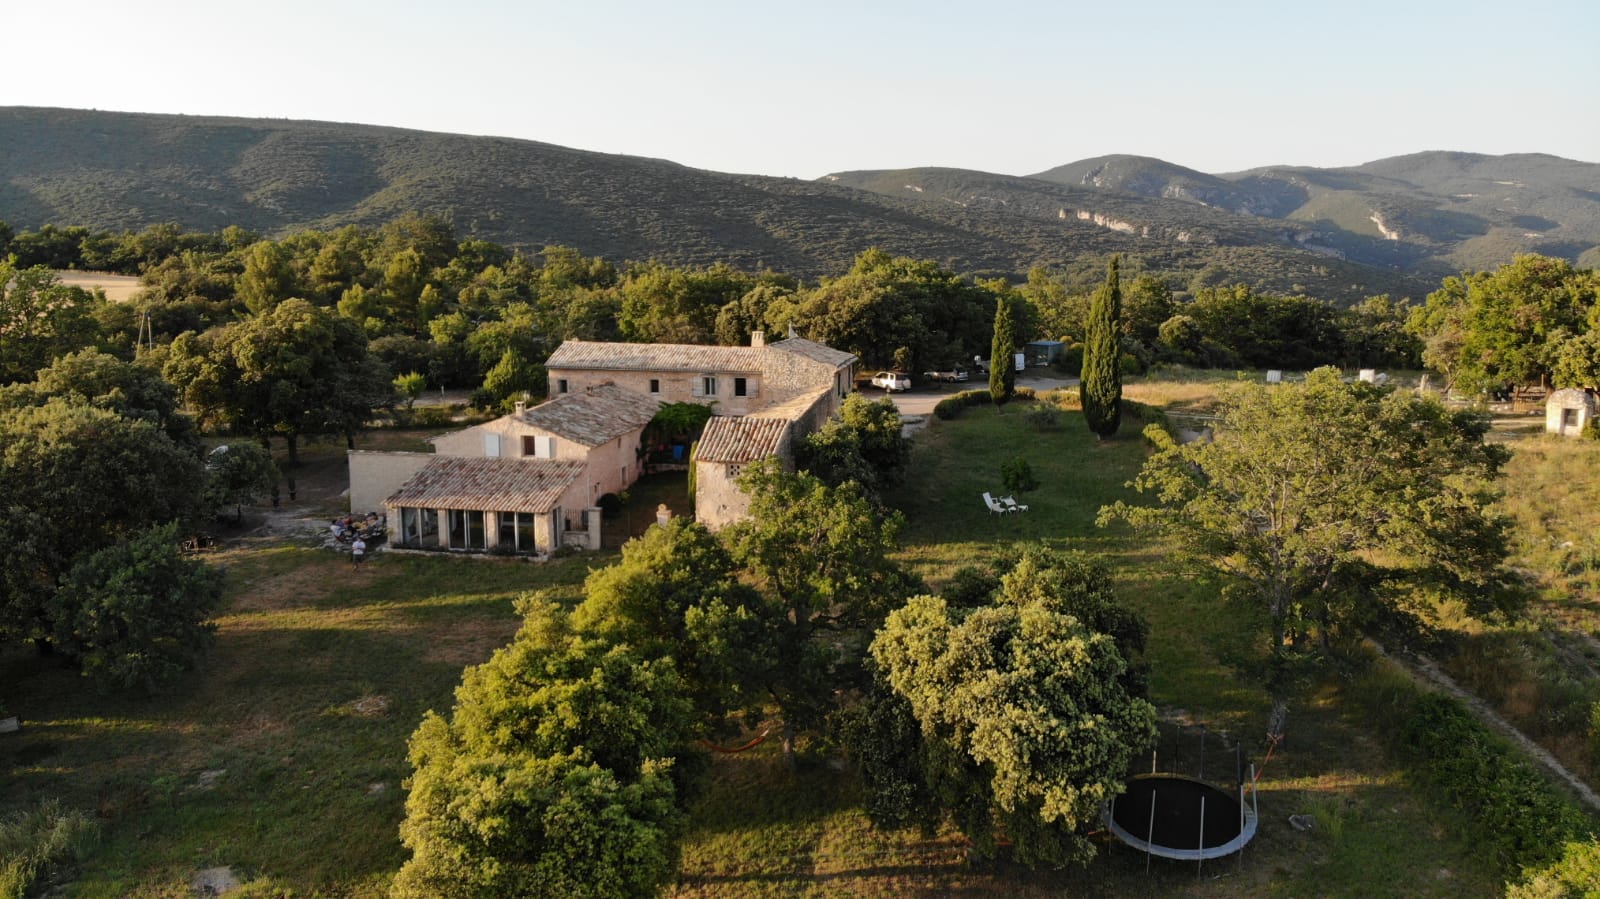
(284, 754)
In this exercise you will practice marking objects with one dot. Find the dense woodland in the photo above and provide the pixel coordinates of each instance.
(1392, 226)
(566, 763)
(469, 314)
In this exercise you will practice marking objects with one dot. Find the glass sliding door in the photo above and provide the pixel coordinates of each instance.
(466, 529)
(419, 527)
(516, 532)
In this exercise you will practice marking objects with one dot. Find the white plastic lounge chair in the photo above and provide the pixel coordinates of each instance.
(995, 506)
(1011, 505)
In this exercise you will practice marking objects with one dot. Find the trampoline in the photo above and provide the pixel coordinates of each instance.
(1181, 818)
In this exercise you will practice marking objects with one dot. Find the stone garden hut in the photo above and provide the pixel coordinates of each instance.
(1566, 411)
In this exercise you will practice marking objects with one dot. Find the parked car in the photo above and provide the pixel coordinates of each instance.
(892, 381)
(949, 375)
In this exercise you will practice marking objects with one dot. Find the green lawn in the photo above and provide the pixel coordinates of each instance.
(283, 758)
(762, 831)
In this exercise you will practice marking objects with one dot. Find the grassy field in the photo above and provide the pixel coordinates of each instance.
(761, 831)
(1542, 670)
(118, 288)
(283, 758)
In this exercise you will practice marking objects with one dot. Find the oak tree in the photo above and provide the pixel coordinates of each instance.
(1027, 710)
(553, 776)
(1325, 505)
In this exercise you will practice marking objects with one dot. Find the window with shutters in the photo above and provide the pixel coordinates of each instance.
(741, 387)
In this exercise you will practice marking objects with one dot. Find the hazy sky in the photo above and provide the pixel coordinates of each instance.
(803, 89)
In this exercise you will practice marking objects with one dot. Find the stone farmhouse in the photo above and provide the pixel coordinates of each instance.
(530, 482)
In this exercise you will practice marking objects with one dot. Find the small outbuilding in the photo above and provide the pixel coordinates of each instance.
(1042, 352)
(1567, 411)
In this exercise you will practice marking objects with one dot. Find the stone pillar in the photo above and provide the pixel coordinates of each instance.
(491, 530)
(663, 514)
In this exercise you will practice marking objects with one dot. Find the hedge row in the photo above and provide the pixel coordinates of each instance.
(1513, 810)
(952, 405)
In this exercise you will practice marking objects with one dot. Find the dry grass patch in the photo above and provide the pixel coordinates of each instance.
(118, 288)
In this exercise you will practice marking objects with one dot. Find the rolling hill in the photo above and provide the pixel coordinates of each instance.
(117, 171)
(1432, 212)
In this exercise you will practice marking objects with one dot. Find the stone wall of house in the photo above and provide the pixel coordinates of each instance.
(792, 375)
(613, 466)
(674, 386)
(718, 501)
(823, 407)
(471, 442)
(375, 476)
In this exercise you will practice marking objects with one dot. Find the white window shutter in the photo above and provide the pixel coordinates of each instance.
(696, 386)
(491, 444)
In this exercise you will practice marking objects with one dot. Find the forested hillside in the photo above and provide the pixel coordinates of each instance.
(1438, 212)
(116, 171)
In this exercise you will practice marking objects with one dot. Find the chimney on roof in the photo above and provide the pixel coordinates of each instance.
(758, 339)
(521, 407)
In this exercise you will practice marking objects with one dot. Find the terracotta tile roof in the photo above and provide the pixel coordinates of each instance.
(815, 351)
(655, 357)
(793, 407)
(488, 484)
(593, 416)
(731, 439)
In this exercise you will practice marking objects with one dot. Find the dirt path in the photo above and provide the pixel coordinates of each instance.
(1424, 668)
(290, 521)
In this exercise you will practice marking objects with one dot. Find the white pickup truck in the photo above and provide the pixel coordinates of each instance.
(892, 381)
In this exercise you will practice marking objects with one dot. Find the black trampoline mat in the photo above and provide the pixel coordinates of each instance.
(1177, 812)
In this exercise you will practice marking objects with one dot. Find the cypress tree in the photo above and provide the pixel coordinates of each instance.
(1002, 354)
(1101, 382)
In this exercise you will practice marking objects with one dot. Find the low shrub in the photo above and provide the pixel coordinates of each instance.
(1070, 362)
(1576, 873)
(431, 416)
(34, 842)
(952, 405)
(1150, 415)
(1514, 811)
(1043, 417)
